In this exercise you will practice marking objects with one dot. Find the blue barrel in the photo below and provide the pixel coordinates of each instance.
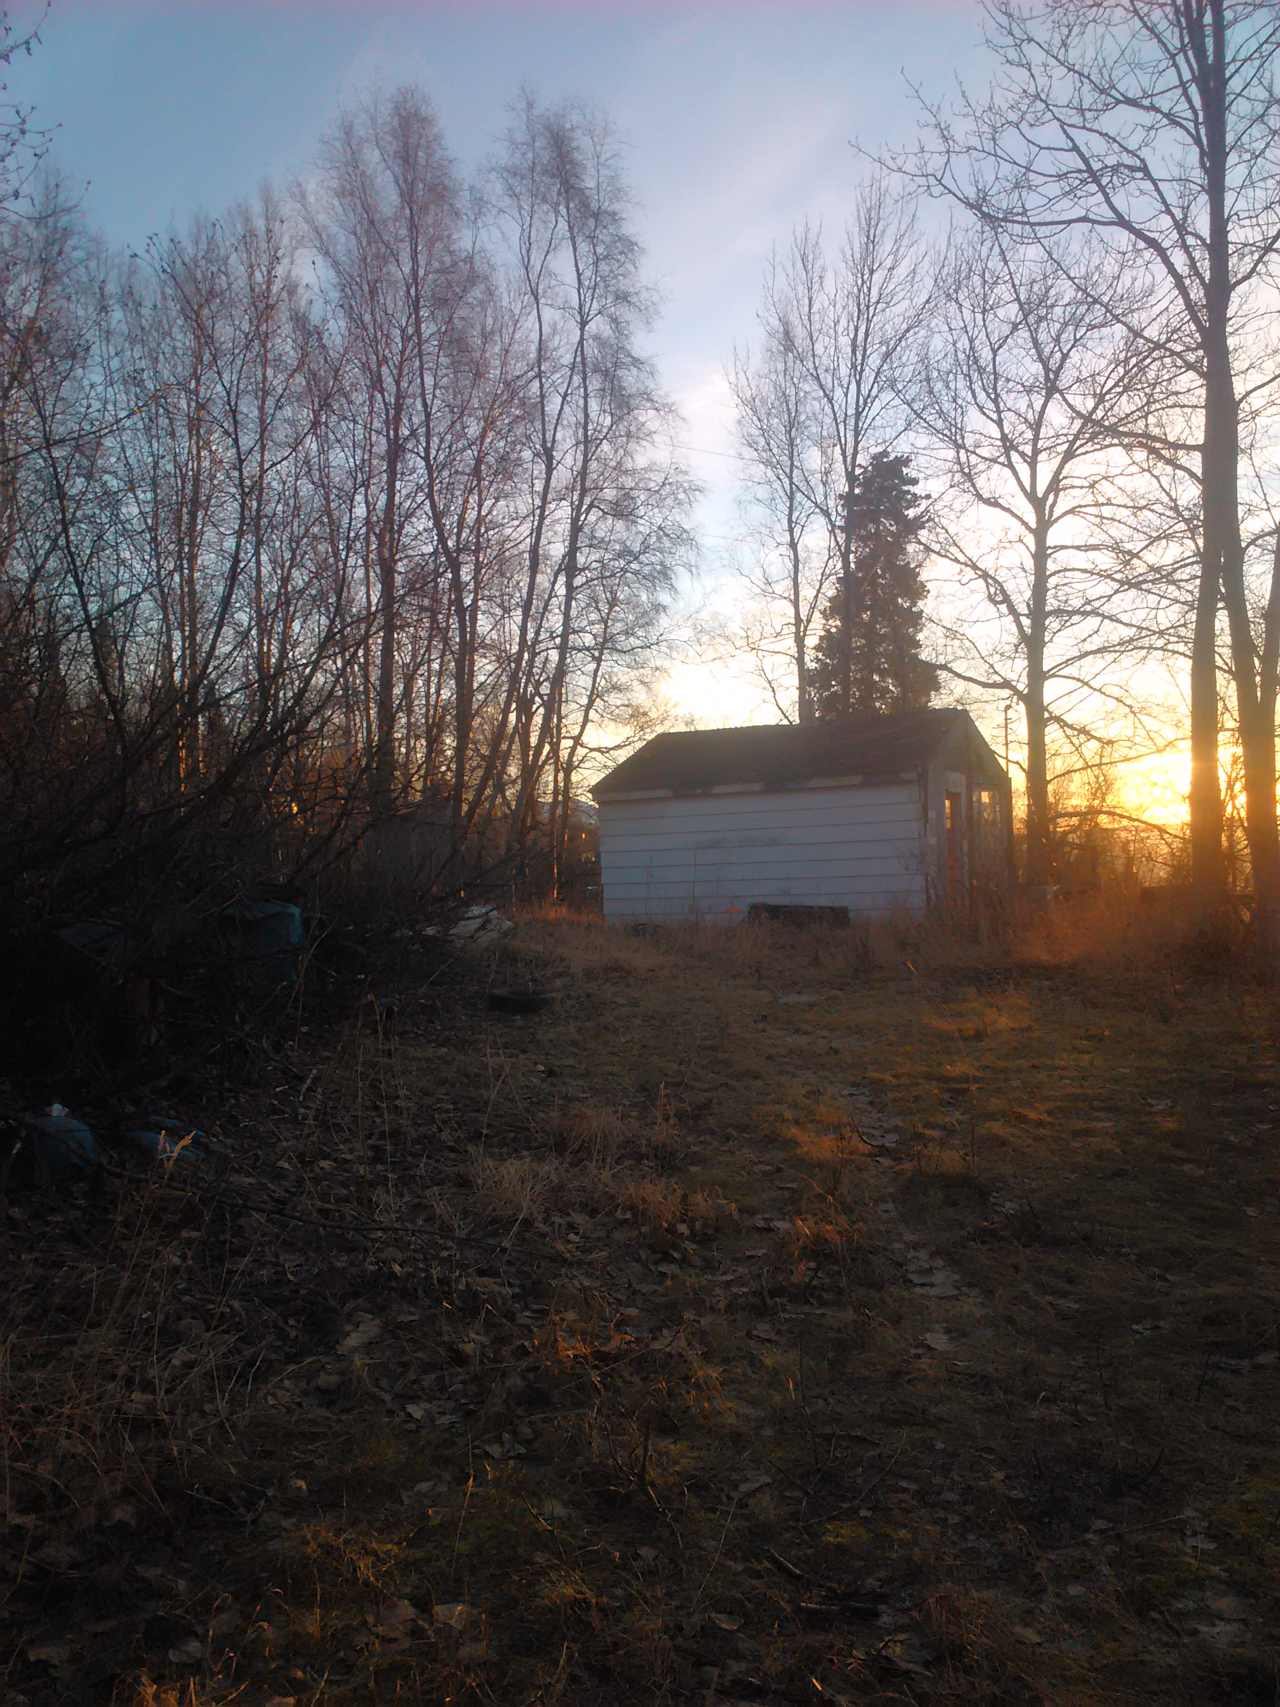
(60, 1144)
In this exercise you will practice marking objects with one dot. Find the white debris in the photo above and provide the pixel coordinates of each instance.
(474, 922)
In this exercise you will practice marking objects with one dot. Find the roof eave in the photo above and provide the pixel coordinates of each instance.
(720, 789)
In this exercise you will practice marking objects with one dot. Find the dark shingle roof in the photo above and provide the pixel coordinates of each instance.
(775, 755)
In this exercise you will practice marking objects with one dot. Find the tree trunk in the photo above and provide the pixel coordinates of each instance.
(1222, 559)
(799, 645)
(1208, 872)
(384, 751)
(1039, 864)
(850, 600)
(1039, 858)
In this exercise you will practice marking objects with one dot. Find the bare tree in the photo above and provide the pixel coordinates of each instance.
(603, 498)
(277, 560)
(820, 395)
(1023, 400)
(776, 433)
(1154, 123)
(384, 221)
(23, 145)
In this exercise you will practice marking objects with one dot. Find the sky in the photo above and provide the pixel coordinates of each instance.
(738, 121)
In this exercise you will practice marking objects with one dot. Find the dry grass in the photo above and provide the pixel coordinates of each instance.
(778, 1318)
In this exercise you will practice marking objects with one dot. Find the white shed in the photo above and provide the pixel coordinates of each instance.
(876, 815)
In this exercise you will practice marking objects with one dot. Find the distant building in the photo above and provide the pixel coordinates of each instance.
(876, 815)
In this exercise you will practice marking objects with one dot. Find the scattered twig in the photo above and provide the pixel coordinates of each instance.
(724, 1533)
(860, 1497)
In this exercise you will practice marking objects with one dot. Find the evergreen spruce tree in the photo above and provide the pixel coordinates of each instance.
(867, 661)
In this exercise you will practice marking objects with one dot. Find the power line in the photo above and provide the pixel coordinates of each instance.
(705, 450)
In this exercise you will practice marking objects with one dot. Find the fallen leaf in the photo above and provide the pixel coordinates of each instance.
(934, 1280)
(1223, 1634)
(52, 1653)
(394, 1615)
(455, 1614)
(1229, 1606)
(363, 1334)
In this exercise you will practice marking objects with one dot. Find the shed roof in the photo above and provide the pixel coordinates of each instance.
(788, 755)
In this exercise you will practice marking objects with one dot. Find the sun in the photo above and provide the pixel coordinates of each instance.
(1156, 787)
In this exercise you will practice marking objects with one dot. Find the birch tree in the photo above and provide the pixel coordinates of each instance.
(384, 221)
(604, 495)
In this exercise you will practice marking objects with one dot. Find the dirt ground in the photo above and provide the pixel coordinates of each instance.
(768, 1319)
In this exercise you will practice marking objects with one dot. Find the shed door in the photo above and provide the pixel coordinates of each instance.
(955, 846)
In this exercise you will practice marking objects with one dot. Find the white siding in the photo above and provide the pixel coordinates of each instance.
(859, 848)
